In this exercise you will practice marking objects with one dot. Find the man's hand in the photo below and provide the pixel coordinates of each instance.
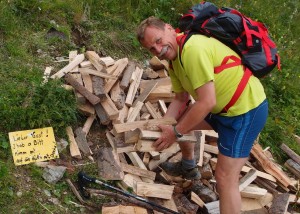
(167, 138)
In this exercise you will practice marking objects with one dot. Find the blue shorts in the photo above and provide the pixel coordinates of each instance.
(237, 134)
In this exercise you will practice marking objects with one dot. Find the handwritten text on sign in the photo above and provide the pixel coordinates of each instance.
(33, 145)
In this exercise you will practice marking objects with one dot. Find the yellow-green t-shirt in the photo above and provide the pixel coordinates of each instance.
(199, 56)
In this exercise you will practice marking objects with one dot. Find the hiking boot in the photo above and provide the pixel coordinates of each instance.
(175, 169)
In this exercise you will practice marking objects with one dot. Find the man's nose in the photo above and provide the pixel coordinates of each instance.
(157, 49)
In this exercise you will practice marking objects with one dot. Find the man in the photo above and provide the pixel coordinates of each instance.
(192, 73)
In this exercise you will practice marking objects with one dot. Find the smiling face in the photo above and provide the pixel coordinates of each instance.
(161, 43)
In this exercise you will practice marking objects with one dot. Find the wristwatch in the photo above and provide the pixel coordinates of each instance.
(177, 134)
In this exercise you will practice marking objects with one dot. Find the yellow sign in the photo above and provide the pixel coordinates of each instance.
(33, 145)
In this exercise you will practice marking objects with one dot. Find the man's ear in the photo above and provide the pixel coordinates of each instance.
(168, 26)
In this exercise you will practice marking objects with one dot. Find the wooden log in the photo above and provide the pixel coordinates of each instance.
(123, 209)
(74, 150)
(268, 185)
(293, 167)
(205, 193)
(138, 171)
(162, 106)
(269, 166)
(121, 65)
(162, 73)
(195, 198)
(146, 146)
(87, 82)
(130, 181)
(154, 112)
(86, 64)
(82, 141)
(127, 75)
(79, 97)
(110, 108)
(154, 155)
(78, 59)
(149, 73)
(252, 191)
(290, 153)
(86, 109)
(154, 190)
(247, 179)
(154, 135)
(211, 149)
(200, 137)
(142, 97)
(143, 124)
(206, 172)
(167, 203)
(97, 73)
(280, 204)
(146, 158)
(88, 95)
(153, 164)
(118, 96)
(123, 113)
(156, 64)
(132, 136)
(102, 115)
(134, 112)
(108, 166)
(134, 87)
(88, 124)
(297, 138)
(184, 205)
(94, 58)
(107, 61)
(98, 87)
(72, 56)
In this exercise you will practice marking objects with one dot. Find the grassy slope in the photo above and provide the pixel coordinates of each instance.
(108, 28)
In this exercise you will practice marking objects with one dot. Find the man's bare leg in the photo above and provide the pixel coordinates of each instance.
(227, 176)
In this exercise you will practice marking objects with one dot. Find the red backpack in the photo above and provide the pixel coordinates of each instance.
(249, 39)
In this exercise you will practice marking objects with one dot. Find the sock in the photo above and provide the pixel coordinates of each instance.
(188, 164)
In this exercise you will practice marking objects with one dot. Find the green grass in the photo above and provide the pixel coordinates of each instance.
(108, 27)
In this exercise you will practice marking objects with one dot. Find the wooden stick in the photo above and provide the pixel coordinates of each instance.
(290, 153)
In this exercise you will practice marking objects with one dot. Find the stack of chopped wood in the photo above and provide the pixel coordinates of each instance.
(131, 102)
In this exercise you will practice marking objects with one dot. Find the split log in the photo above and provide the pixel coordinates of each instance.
(102, 115)
(132, 136)
(134, 87)
(86, 64)
(293, 167)
(154, 190)
(87, 82)
(162, 106)
(94, 58)
(86, 109)
(88, 124)
(130, 181)
(153, 111)
(81, 89)
(123, 209)
(146, 146)
(297, 138)
(269, 166)
(134, 111)
(121, 64)
(127, 75)
(79, 97)
(98, 87)
(280, 204)
(97, 73)
(74, 150)
(108, 166)
(195, 198)
(247, 179)
(184, 205)
(154, 135)
(149, 124)
(252, 191)
(110, 108)
(145, 93)
(118, 96)
(290, 153)
(78, 59)
(205, 193)
(47, 73)
(138, 171)
(107, 61)
(82, 141)
(156, 64)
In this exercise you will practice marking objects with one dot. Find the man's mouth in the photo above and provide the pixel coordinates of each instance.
(163, 51)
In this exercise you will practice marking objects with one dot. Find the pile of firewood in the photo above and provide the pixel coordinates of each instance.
(131, 101)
